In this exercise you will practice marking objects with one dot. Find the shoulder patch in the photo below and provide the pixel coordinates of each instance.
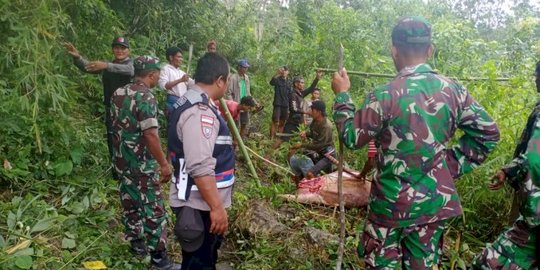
(207, 125)
(203, 106)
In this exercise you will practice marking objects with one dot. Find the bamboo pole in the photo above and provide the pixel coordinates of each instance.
(238, 138)
(341, 249)
(382, 75)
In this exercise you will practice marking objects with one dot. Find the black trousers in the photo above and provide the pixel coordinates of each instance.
(205, 258)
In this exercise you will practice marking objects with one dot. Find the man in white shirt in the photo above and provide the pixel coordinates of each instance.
(172, 78)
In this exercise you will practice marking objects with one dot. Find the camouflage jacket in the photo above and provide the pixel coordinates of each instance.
(524, 170)
(412, 119)
(515, 170)
(133, 110)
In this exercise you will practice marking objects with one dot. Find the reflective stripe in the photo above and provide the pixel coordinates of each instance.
(221, 184)
(224, 140)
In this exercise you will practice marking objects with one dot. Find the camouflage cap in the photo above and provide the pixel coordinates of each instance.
(414, 30)
(146, 62)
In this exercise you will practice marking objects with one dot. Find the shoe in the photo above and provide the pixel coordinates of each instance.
(160, 261)
(138, 248)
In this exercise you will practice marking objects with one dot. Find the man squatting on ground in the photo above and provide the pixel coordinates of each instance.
(137, 154)
(114, 74)
(200, 145)
(412, 119)
(313, 160)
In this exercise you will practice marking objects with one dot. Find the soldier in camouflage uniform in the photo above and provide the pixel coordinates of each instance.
(137, 153)
(412, 119)
(517, 248)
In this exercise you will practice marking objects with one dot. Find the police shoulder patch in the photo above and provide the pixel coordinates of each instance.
(207, 125)
(203, 106)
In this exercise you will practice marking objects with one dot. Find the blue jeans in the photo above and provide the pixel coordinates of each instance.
(171, 99)
(302, 164)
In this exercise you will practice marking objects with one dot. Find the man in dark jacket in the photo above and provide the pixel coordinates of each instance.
(296, 103)
(115, 74)
(282, 87)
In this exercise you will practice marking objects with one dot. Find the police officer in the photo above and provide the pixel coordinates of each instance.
(203, 159)
(412, 119)
(519, 246)
(115, 74)
(137, 154)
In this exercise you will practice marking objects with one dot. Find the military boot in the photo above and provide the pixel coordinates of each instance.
(138, 247)
(160, 261)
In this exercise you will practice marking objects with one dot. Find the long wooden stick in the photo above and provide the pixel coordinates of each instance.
(341, 249)
(382, 75)
(238, 138)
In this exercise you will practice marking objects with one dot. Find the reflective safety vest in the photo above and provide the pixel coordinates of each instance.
(223, 149)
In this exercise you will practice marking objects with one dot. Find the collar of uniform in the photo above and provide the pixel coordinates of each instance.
(420, 68)
(198, 89)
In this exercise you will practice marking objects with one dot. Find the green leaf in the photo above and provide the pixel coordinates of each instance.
(11, 220)
(24, 262)
(76, 154)
(63, 168)
(26, 251)
(42, 225)
(2, 242)
(68, 243)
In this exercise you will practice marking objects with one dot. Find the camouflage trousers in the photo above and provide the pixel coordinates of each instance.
(514, 249)
(414, 247)
(144, 214)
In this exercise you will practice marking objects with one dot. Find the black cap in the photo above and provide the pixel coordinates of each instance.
(122, 41)
(319, 106)
(189, 229)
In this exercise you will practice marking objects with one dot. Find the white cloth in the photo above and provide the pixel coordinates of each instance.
(171, 73)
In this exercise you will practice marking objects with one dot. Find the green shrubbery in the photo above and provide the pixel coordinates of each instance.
(58, 205)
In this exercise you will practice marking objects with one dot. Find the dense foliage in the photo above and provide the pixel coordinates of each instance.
(58, 205)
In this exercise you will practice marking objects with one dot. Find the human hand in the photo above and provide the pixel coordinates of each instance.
(165, 174)
(318, 74)
(497, 181)
(220, 220)
(71, 49)
(184, 78)
(96, 66)
(340, 81)
(303, 135)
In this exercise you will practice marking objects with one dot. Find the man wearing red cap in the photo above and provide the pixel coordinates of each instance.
(115, 74)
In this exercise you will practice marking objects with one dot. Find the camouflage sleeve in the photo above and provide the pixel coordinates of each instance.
(146, 110)
(515, 169)
(357, 129)
(479, 139)
(533, 155)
